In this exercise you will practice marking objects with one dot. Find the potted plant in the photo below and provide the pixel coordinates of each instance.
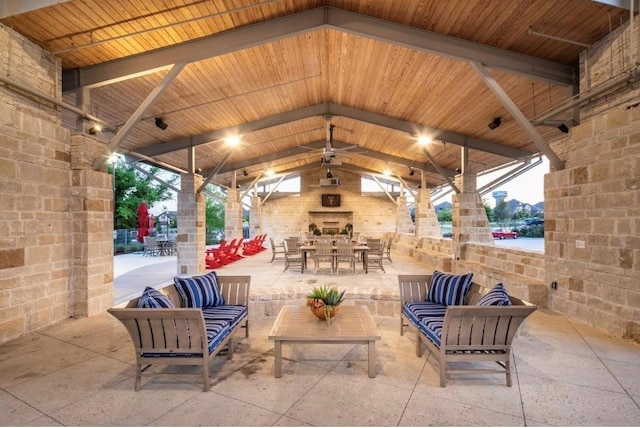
(324, 301)
(349, 229)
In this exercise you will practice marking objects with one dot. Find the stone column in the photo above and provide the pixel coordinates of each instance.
(427, 225)
(233, 215)
(92, 228)
(403, 216)
(470, 223)
(255, 217)
(190, 240)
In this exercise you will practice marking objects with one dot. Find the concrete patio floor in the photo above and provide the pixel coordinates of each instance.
(81, 372)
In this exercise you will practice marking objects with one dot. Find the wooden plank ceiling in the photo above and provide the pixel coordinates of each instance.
(278, 70)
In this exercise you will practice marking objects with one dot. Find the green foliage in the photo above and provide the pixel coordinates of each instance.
(489, 211)
(329, 295)
(501, 213)
(133, 187)
(536, 231)
(444, 215)
(214, 216)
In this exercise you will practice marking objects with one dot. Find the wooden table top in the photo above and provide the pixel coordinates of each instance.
(352, 323)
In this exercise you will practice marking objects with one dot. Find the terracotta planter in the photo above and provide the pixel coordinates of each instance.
(319, 312)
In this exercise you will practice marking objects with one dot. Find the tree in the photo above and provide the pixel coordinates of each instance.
(214, 217)
(488, 210)
(501, 213)
(133, 187)
(444, 214)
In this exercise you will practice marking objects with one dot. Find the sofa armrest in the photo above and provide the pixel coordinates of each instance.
(482, 327)
(235, 289)
(413, 288)
(149, 332)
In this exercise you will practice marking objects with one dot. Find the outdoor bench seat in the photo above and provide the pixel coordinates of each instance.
(186, 336)
(461, 333)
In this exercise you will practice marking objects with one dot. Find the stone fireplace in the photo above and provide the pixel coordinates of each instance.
(330, 222)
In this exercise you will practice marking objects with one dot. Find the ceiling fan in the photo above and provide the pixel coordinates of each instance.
(329, 154)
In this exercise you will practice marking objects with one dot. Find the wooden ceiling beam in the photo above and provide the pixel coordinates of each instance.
(414, 129)
(336, 110)
(313, 20)
(298, 150)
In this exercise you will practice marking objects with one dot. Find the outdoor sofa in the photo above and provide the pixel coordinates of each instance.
(186, 323)
(461, 321)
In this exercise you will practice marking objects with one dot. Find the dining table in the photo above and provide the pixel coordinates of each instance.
(310, 248)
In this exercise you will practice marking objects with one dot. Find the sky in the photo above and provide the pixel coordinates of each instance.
(527, 187)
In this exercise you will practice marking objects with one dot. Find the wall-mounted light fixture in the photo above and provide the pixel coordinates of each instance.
(245, 173)
(329, 175)
(95, 129)
(160, 123)
(497, 121)
(411, 171)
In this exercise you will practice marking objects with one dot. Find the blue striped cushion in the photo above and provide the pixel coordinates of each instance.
(232, 314)
(217, 330)
(497, 296)
(152, 298)
(448, 289)
(427, 317)
(199, 291)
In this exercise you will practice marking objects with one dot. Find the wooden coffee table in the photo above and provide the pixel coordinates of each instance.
(353, 324)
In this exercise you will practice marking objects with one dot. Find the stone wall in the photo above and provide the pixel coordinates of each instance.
(56, 250)
(290, 216)
(35, 195)
(592, 207)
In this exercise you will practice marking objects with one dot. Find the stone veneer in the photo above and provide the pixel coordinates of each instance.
(190, 240)
(470, 223)
(233, 215)
(426, 218)
(56, 213)
(290, 216)
(592, 207)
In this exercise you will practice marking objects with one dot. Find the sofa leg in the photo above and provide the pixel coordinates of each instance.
(507, 368)
(246, 328)
(230, 345)
(443, 375)
(401, 327)
(138, 376)
(418, 344)
(205, 373)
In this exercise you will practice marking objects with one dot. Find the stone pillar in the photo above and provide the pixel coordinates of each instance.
(255, 217)
(403, 216)
(470, 223)
(92, 228)
(233, 215)
(427, 225)
(190, 240)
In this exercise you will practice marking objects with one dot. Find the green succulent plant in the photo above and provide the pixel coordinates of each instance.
(325, 297)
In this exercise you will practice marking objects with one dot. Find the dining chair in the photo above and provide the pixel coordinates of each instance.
(387, 249)
(323, 253)
(292, 253)
(150, 246)
(375, 254)
(345, 253)
(277, 250)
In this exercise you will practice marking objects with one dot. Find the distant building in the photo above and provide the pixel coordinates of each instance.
(165, 221)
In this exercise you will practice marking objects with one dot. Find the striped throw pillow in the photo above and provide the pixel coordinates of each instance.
(153, 299)
(199, 291)
(448, 289)
(497, 296)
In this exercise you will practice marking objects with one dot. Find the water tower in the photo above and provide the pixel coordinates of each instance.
(499, 196)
